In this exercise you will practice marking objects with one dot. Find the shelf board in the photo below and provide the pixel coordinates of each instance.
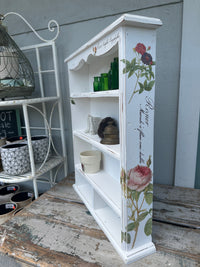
(106, 186)
(28, 101)
(112, 150)
(100, 94)
(109, 222)
(50, 164)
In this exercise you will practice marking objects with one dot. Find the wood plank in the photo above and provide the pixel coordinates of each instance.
(64, 190)
(178, 195)
(177, 214)
(45, 243)
(177, 240)
(57, 230)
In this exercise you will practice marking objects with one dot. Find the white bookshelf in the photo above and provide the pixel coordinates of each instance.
(114, 205)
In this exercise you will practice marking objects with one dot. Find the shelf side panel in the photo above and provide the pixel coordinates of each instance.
(137, 123)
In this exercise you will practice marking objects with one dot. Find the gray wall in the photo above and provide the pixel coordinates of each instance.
(79, 21)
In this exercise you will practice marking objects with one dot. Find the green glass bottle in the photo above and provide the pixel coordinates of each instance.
(115, 74)
(104, 80)
(96, 84)
(110, 78)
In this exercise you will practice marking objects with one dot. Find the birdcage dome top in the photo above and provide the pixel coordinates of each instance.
(16, 73)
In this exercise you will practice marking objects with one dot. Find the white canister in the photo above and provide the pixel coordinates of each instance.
(90, 161)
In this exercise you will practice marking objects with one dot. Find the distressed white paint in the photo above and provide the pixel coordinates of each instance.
(189, 97)
(102, 192)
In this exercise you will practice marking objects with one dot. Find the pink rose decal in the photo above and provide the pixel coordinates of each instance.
(139, 178)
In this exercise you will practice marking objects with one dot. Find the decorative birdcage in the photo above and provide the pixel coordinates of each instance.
(16, 73)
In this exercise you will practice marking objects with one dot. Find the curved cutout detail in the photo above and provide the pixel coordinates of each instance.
(97, 51)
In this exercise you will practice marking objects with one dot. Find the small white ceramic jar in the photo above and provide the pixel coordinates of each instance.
(90, 161)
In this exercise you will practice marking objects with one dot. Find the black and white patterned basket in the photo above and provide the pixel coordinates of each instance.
(15, 158)
(40, 144)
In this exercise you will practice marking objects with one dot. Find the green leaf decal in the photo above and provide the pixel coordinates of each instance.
(149, 188)
(73, 102)
(148, 197)
(133, 62)
(137, 195)
(128, 65)
(133, 193)
(131, 73)
(126, 237)
(150, 211)
(148, 227)
(151, 84)
(132, 226)
(142, 216)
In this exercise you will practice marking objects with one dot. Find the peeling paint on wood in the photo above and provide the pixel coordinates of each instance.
(56, 230)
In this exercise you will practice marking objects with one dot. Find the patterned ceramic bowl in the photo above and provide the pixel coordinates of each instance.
(15, 158)
(40, 145)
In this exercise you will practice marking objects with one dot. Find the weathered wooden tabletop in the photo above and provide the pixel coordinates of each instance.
(57, 230)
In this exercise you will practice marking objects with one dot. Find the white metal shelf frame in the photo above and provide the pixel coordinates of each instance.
(25, 103)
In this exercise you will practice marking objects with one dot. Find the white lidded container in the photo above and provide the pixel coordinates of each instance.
(90, 161)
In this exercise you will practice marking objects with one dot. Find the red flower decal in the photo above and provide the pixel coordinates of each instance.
(140, 48)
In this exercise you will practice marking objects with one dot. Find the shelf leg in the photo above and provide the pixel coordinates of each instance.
(35, 188)
(30, 148)
(60, 110)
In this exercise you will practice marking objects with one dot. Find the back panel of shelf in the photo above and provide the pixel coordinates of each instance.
(109, 164)
(81, 80)
(97, 107)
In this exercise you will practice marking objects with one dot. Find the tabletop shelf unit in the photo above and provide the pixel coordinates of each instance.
(119, 196)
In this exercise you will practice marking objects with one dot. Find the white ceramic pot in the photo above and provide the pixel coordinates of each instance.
(22, 199)
(7, 211)
(90, 161)
(7, 191)
(15, 158)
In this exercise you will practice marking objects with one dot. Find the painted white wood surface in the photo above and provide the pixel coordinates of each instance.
(189, 97)
(105, 193)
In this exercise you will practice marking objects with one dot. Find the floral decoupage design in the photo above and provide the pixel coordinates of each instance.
(137, 184)
(141, 67)
(137, 189)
